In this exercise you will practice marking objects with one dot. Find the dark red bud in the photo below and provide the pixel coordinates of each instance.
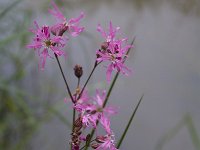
(104, 45)
(78, 71)
(94, 145)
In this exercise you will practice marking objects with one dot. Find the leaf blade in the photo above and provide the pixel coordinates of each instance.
(129, 123)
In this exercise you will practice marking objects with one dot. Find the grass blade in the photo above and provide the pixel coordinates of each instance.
(193, 132)
(187, 122)
(129, 123)
(170, 134)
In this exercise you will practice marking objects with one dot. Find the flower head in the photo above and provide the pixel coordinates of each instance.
(114, 54)
(113, 50)
(72, 25)
(107, 141)
(110, 36)
(93, 110)
(43, 40)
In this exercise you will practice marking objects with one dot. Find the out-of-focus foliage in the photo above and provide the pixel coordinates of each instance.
(17, 120)
(187, 122)
(19, 117)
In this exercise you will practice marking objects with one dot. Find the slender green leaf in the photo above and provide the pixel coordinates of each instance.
(185, 121)
(193, 132)
(129, 123)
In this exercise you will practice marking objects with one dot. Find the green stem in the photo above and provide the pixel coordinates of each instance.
(129, 123)
(85, 145)
(74, 111)
(193, 132)
(95, 65)
(68, 89)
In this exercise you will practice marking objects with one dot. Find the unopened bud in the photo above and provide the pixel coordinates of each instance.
(62, 30)
(104, 45)
(78, 71)
(59, 31)
(78, 122)
(94, 145)
(100, 139)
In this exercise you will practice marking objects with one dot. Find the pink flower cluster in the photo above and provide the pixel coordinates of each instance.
(113, 50)
(91, 110)
(51, 38)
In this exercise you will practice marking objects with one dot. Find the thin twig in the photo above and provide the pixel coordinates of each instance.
(85, 144)
(68, 89)
(95, 65)
(74, 111)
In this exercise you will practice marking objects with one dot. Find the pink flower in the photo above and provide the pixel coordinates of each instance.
(105, 142)
(106, 125)
(44, 41)
(115, 55)
(72, 26)
(94, 111)
(82, 103)
(113, 51)
(110, 36)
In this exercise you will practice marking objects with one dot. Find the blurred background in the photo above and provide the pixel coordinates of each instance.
(165, 64)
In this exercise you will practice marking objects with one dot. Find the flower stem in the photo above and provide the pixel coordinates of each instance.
(74, 111)
(68, 89)
(85, 145)
(95, 65)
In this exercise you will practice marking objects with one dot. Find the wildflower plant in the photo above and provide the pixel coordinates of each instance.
(89, 111)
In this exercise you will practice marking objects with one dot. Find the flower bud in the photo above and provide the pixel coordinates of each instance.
(104, 45)
(59, 30)
(94, 145)
(78, 71)
(100, 139)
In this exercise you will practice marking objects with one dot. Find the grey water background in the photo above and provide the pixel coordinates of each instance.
(165, 64)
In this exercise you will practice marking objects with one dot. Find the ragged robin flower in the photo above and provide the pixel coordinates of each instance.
(113, 50)
(114, 55)
(43, 42)
(72, 25)
(105, 142)
(94, 111)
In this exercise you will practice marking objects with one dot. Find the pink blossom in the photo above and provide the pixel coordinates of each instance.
(110, 36)
(114, 54)
(44, 41)
(113, 50)
(94, 111)
(72, 26)
(105, 122)
(105, 142)
(82, 103)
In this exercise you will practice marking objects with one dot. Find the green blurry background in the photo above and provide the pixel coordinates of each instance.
(165, 64)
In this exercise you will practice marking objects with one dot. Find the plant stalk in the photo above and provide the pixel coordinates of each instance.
(61, 70)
